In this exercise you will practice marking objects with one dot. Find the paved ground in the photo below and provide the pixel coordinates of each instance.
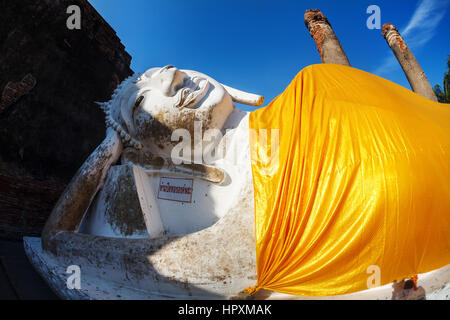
(18, 279)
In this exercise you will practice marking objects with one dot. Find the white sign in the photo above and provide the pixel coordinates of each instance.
(176, 189)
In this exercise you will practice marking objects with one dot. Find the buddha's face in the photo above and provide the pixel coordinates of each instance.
(168, 99)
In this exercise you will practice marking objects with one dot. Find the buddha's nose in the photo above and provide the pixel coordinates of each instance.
(169, 66)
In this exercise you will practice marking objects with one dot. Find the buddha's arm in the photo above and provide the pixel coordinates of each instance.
(77, 197)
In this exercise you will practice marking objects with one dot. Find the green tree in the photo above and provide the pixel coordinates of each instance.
(443, 95)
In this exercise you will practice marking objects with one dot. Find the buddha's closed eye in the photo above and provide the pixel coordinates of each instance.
(137, 104)
(138, 101)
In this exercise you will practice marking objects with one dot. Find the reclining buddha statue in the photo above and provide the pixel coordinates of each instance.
(136, 192)
(339, 187)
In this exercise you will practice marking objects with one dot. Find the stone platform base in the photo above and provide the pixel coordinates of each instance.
(91, 288)
(433, 285)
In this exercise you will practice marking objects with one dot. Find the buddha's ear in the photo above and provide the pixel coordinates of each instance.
(249, 99)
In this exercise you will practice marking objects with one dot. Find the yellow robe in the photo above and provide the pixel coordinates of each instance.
(355, 185)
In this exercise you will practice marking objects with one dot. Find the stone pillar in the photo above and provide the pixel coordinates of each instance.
(416, 77)
(329, 47)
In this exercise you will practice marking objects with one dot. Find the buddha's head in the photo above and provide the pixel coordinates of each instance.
(146, 109)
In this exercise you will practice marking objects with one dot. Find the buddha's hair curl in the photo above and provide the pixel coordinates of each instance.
(112, 108)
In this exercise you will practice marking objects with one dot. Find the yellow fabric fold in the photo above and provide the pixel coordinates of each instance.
(351, 174)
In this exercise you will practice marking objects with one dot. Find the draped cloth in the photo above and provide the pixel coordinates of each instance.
(351, 176)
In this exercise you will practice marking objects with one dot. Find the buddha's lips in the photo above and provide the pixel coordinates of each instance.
(191, 96)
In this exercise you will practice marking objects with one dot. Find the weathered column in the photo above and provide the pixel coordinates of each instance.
(416, 77)
(329, 47)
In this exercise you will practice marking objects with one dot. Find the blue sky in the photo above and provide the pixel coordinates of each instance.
(260, 45)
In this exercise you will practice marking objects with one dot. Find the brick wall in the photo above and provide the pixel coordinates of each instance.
(50, 77)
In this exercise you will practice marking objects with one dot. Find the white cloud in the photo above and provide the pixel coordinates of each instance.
(420, 29)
